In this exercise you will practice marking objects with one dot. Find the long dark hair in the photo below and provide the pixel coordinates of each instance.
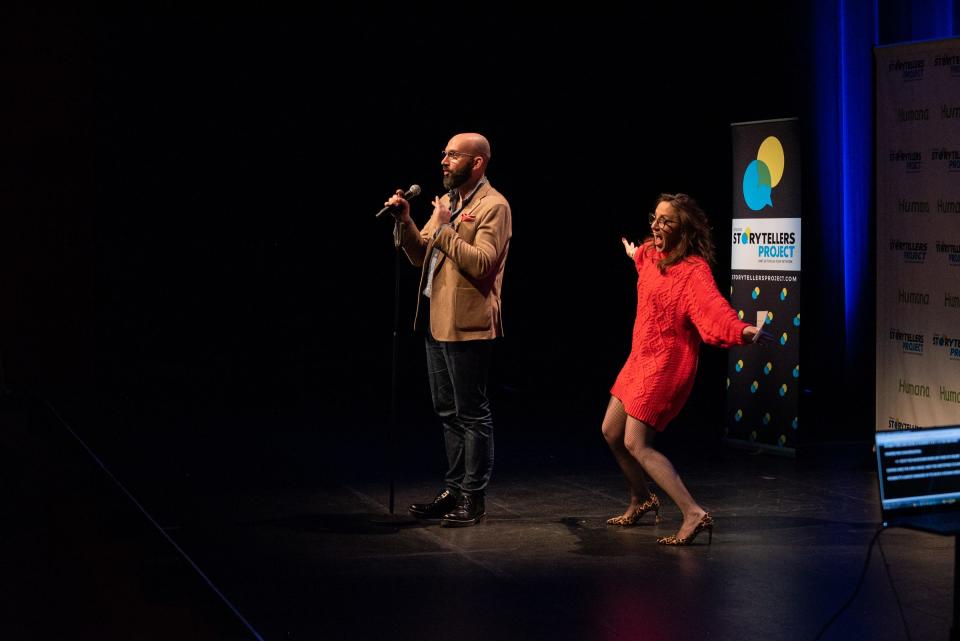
(695, 237)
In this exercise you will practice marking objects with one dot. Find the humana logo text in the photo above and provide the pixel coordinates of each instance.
(910, 115)
(911, 389)
(913, 206)
(949, 395)
(912, 298)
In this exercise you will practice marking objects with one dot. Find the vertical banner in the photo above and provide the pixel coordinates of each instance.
(918, 235)
(763, 382)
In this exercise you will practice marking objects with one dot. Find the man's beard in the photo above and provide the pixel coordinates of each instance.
(456, 178)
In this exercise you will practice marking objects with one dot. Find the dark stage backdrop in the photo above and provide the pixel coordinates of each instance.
(199, 259)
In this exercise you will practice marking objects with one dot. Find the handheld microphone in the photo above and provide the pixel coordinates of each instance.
(407, 195)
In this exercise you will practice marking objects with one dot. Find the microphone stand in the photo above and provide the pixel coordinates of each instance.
(391, 518)
(395, 361)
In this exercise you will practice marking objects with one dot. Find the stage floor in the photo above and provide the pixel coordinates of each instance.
(308, 558)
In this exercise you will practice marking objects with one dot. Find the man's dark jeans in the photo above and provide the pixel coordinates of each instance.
(458, 385)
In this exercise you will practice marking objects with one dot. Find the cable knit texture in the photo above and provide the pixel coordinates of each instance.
(675, 311)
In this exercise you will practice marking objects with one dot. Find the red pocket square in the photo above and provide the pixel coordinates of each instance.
(467, 218)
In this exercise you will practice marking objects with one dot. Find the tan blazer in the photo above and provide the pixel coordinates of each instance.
(465, 296)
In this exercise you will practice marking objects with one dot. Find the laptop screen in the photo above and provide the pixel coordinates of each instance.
(919, 471)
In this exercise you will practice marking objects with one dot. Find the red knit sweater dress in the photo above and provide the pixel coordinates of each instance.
(675, 311)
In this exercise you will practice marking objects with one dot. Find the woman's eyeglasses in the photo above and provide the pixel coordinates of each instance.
(662, 222)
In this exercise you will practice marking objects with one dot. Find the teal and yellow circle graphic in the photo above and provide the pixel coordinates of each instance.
(795, 423)
(783, 294)
(796, 372)
(739, 365)
(728, 382)
(783, 338)
(783, 390)
(755, 293)
(766, 418)
(740, 314)
(796, 320)
(782, 440)
(754, 386)
(763, 174)
(768, 368)
(769, 318)
(738, 416)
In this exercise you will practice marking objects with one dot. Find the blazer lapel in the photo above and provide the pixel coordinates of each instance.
(472, 206)
(467, 211)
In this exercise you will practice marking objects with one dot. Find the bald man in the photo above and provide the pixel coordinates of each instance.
(462, 250)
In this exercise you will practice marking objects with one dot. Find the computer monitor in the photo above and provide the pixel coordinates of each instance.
(919, 475)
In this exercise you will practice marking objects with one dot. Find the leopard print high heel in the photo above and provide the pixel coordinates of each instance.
(652, 503)
(705, 523)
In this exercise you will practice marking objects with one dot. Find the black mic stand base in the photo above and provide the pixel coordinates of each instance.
(391, 518)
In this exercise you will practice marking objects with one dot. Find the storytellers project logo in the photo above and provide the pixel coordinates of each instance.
(763, 174)
(909, 343)
(951, 250)
(948, 60)
(909, 70)
(912, 251)
(772, 244)
(949, 344)
(911, 159)
(895, 423)
(946, 157)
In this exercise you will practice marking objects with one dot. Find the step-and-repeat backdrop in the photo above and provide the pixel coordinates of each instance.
(918, 235)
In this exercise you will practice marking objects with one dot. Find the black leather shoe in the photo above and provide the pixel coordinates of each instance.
(469, 511)
(440, 505)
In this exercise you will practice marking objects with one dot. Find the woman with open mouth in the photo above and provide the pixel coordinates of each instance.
(678, 307)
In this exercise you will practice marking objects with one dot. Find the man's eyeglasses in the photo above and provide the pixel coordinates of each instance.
(662, 222)
(454, 155)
